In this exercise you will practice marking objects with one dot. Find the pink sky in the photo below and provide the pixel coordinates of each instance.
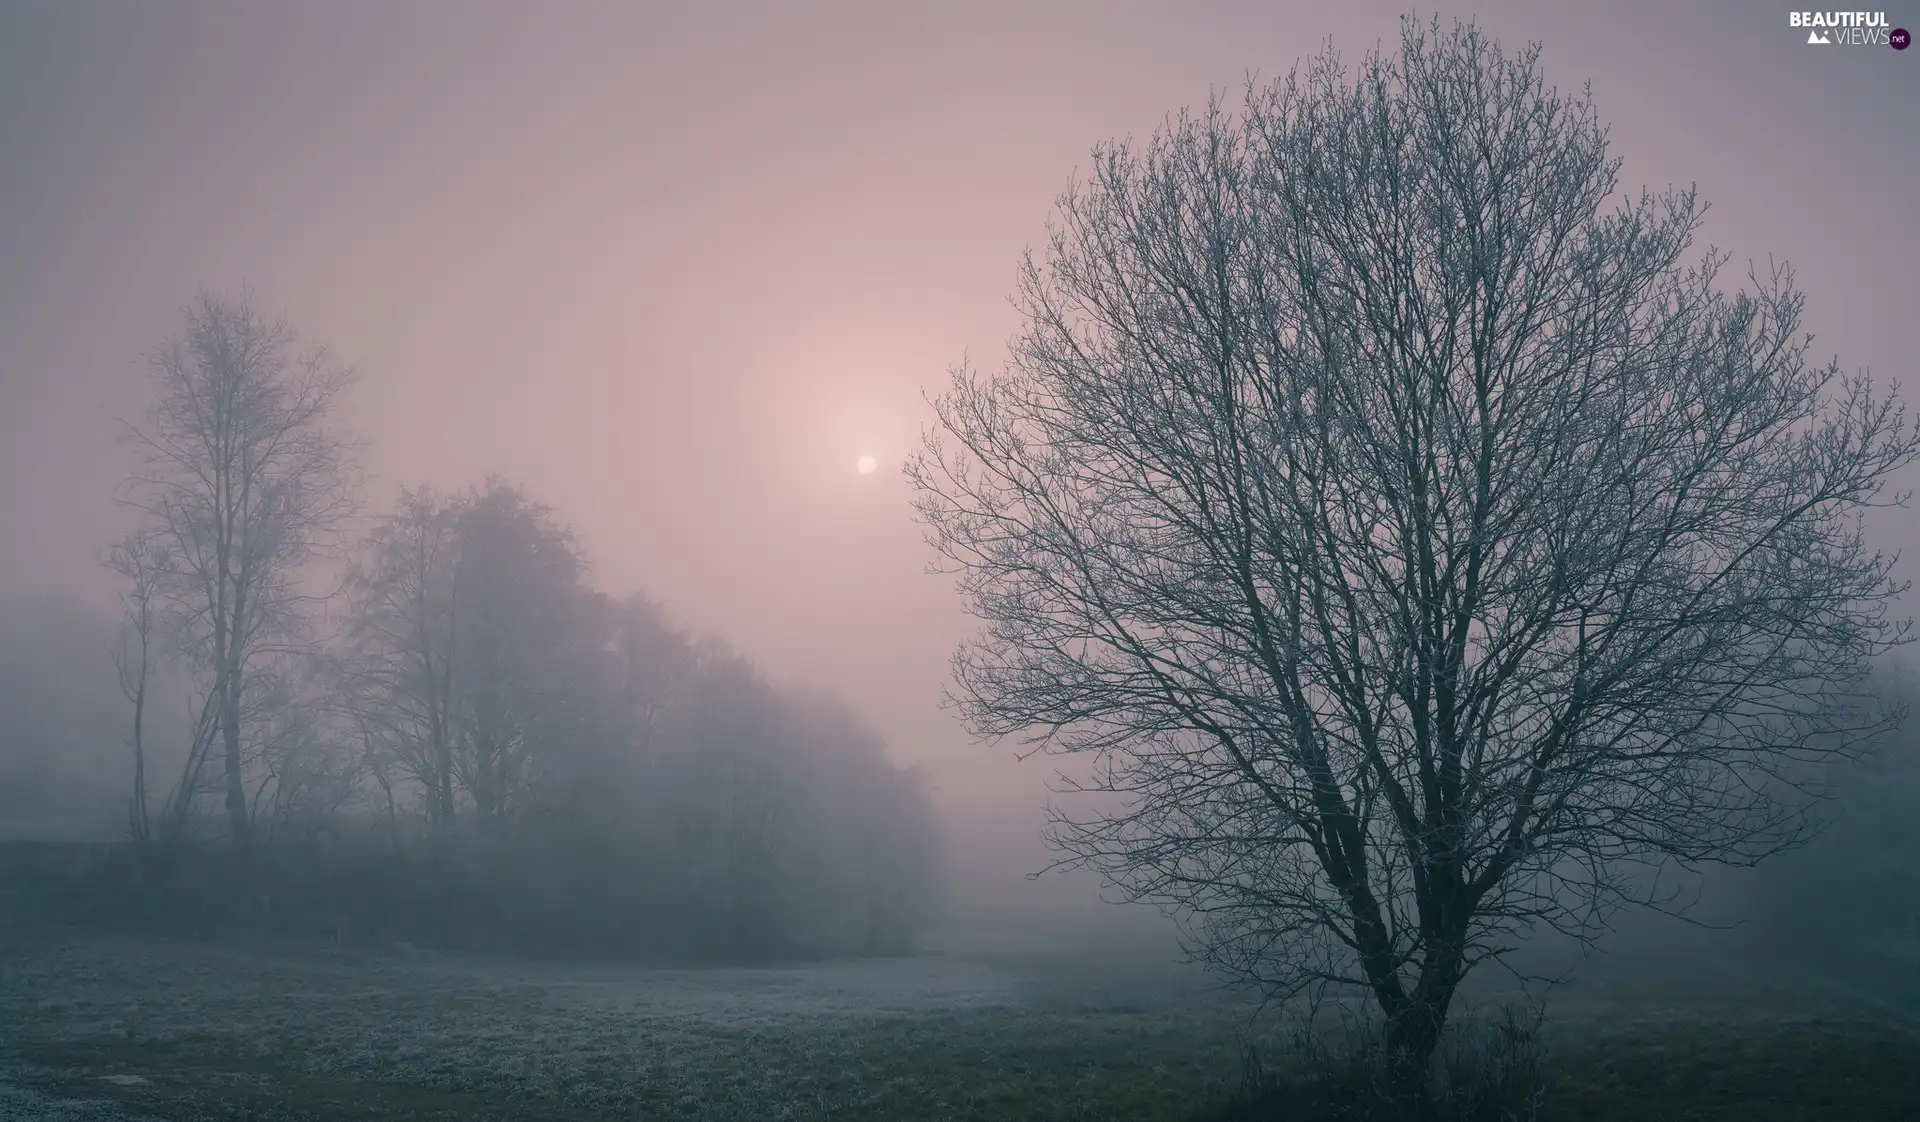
(675, 267)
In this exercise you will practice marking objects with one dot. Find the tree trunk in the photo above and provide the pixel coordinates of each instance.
(239, 822)
(1413, 1034)
(141, 827)
(1413, 1029)
(442, 775)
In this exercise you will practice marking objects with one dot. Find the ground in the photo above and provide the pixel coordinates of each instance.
(98, 1028)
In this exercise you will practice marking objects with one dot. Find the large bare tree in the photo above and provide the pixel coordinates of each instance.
(241, 479)
(1410, 536)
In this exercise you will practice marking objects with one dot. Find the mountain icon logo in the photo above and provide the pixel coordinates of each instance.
(1818, 37)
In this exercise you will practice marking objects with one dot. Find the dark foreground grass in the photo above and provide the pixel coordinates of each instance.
(1741, 1073)
(1804, 1072)
(152, 1030)
(939, 1069)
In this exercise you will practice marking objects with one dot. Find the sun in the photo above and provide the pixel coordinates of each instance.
(865, 465)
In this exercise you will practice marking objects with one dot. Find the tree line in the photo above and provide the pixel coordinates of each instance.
(429, 725)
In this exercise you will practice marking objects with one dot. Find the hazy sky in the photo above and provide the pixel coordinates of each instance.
(675, 267)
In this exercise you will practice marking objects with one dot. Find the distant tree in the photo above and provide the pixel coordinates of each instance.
(144, 566)
(1406, 535)
(527, 632)
(786, 827)
(865, 855)
(203, 714)
(654, 659)
(242, 477)
(622, 786)
(305, 763)
(473, 644)
(402, 627)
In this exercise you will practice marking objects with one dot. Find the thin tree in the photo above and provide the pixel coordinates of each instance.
(1406, 534)
(144, 566)
(241, 479)
(176, 811)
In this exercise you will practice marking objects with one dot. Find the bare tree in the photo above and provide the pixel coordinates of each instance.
(1407, 536)
(404, 621)
(241, 479)
(144, 566)
(527, 625)
(305, 759)
(473, 636)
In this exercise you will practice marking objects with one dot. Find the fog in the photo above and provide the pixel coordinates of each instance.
(673, 270)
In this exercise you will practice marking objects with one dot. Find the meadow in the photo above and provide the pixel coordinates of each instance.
(112, 1028)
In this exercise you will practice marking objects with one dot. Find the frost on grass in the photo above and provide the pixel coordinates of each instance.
(23, 1104)
(934, 1036)
(794, 1041)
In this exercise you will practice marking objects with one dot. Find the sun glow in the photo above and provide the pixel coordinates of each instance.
(865, 465)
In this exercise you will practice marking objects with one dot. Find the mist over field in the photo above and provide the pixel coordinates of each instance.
(854, 560)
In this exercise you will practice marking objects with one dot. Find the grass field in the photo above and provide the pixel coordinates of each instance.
(114, 1029)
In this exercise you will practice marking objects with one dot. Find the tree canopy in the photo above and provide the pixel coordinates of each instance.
(1407, 526)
